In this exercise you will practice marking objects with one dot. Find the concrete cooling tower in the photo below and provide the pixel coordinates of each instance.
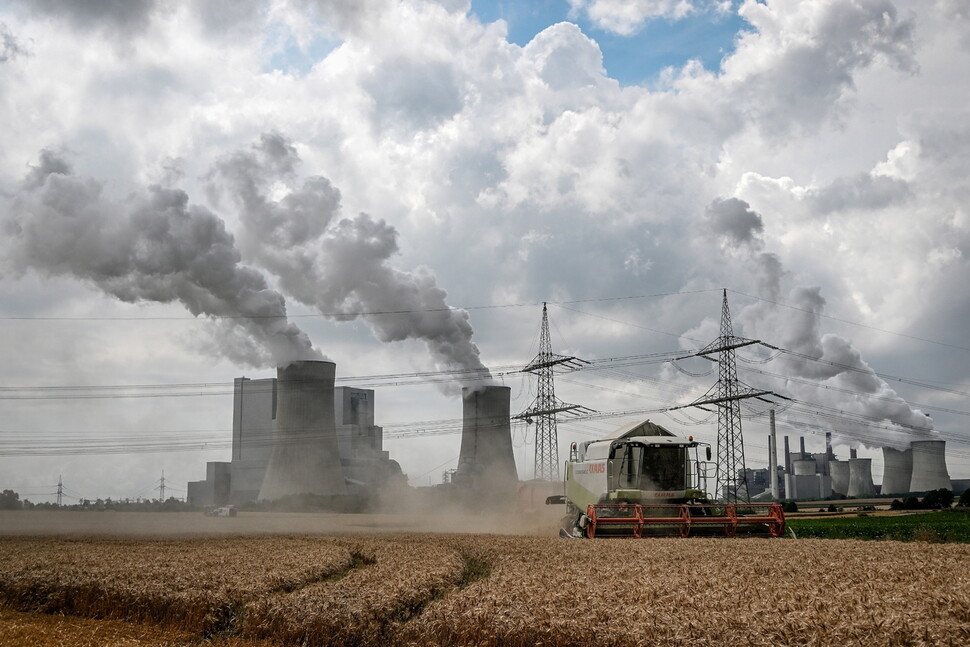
(486, 456)
(897, 470)
(929, 466)
(840, 477)
(860, 478)
(305, 458)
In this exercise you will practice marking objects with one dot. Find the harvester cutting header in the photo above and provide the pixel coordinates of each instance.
(642, 480)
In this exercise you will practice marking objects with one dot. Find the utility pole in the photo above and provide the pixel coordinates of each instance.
(726, 395)
(60, 490)
(545, 407)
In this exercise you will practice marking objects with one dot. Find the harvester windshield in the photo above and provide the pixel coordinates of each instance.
(649, 467)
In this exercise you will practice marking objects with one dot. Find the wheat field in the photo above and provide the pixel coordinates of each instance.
(483, 590)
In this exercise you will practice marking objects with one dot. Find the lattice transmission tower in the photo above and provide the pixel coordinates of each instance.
(161, 488)
(546, 405)
(726, 395)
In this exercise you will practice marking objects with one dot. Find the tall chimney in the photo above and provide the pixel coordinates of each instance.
(828, 445)
(787, 457)
(801, 447)
(772, 456)
(305, 458)
(486, 438)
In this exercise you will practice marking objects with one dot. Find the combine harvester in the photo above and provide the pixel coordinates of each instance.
(643, 481)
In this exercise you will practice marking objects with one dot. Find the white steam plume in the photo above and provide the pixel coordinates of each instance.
(338, 265)
(154, 246)
(838, 364)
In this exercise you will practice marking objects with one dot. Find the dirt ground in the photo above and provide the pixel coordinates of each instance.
(543, 522)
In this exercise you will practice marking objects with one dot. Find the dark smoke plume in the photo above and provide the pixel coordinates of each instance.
(154, 246)
(338, 265)
(798, 330)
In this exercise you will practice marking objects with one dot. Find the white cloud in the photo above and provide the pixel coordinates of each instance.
(626, 17)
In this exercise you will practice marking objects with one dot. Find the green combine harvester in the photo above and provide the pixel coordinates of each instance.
(644, 481)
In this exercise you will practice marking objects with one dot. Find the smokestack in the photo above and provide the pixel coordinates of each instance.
(787, 457)
(897, 470)
(860, 477)
(853, 453)
(929, 466)
(305, 458)
(828, 444)
(486, 438)
(839, 471)
(801, 446)
(772, 456)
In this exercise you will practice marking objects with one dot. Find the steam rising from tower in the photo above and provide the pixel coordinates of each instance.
(339, 265)
(156, 247)
(811, 354)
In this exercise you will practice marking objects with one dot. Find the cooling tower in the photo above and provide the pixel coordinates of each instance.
(305, 458)
(860, 477)
(486, 438)
(840, 477)
(929, 466)
(897, 470)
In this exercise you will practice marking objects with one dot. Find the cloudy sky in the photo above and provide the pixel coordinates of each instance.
(408, 180)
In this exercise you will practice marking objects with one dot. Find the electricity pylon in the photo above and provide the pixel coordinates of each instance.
(731, 476)
(546, 405)
(161, 488)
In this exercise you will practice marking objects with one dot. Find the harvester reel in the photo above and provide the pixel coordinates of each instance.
(645, 520)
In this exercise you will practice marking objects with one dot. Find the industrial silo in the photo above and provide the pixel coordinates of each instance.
(485, 458)
(306, 457)
(897, 470)
(860, 478)
(929, 466)
(840, 476)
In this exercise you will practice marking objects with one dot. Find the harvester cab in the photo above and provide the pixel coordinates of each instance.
(642, 481)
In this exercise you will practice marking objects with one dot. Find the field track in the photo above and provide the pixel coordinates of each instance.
(483, 590)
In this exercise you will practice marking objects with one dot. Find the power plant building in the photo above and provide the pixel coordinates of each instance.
(319, 438)
(919, 468)
(253, 418)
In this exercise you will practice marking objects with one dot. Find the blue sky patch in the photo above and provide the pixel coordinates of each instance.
(632, 60)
